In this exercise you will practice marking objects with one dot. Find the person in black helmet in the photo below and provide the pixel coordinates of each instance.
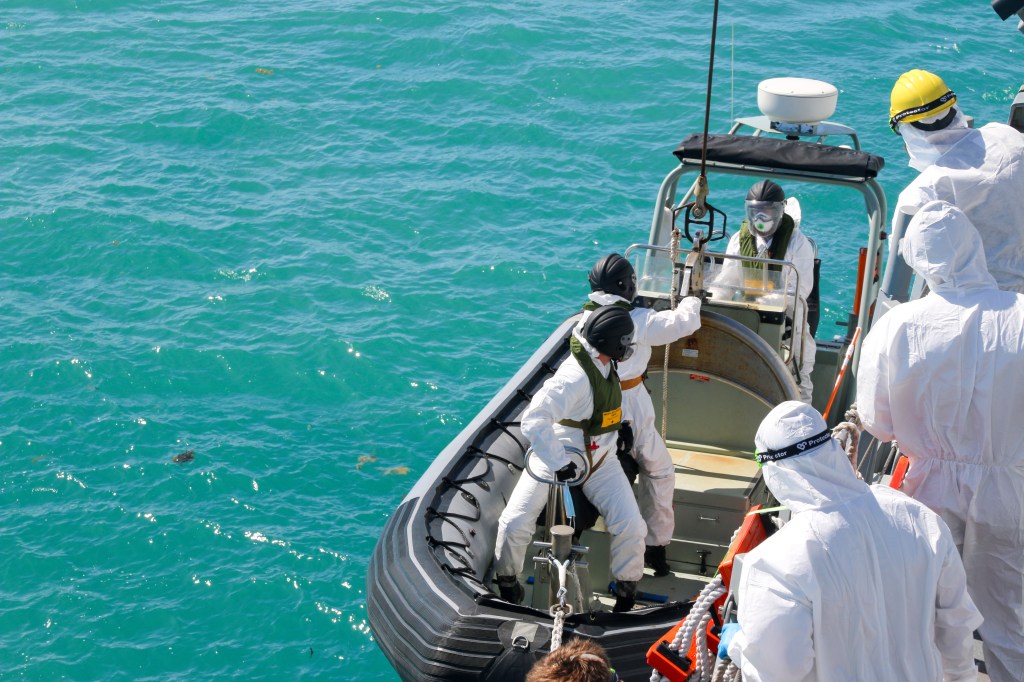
(771, 229)
(613, 282)
(579, 406)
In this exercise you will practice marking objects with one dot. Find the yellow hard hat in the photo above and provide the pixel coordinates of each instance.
(918, 94)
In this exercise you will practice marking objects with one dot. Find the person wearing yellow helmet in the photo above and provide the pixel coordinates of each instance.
(980, 171)
(920, 95)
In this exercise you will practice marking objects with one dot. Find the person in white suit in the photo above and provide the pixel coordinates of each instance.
(944, 377)
(613, 282)
(579, 407)
(772, 230)
(980, 171)
(863, 583)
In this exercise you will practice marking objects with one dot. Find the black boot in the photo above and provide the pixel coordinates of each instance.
(510, 589)
(654, 557)
(625, 595)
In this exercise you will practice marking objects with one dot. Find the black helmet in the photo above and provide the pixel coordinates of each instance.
(613, 274)
(609, 329)
(766, 190)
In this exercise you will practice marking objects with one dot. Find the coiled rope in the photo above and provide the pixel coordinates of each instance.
(695, 625)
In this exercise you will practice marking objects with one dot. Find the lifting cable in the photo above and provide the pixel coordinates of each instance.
(701, 192)
(698, 210)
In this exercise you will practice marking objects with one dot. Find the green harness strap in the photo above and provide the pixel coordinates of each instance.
(590, 305)
(607, 415)
(777, 250)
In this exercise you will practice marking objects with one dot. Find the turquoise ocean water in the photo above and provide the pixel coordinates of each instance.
(307, 240)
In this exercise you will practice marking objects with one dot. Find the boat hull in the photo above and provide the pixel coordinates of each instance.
(428, 598)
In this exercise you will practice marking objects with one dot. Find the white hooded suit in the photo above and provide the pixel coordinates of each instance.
(863, 583)
(657, 478)
(568, 395)
(981, 172)
(799, 252)
(944, 377)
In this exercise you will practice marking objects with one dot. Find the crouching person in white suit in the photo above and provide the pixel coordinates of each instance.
(579, 406)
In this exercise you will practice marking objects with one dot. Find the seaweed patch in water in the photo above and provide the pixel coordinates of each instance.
(183, 457)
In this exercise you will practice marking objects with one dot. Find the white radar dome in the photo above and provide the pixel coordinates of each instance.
(796, 100)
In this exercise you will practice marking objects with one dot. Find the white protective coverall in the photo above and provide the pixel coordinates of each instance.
(799, 252)
(944, 376)
(981, 172)
(863, 583)
(568, 395)
(657, 481)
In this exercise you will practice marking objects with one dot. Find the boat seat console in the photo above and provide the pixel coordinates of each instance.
(713, 493)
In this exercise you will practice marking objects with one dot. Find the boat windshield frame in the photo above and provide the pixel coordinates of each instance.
(867, 186)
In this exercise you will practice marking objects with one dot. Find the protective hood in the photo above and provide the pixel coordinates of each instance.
(925, 147)
(819, 476)
(601, 298)
(577, 333)
(944, 247)
(794, 211)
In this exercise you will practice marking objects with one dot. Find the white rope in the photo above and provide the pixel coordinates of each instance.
(726, 671)
(848, 434)
(580, 606)
(703, 662)
(560, 610)
(716, 588)
(695, 624)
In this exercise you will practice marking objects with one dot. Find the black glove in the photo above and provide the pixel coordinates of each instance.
(624, 445)
(567, 472)
(624, 451)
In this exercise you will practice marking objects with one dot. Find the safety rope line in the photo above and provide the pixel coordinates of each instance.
(483, 454)
(446, 517)
(460, 552)
(504, 427)
(458, 484)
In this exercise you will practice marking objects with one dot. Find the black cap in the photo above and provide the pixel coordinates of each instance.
(613, 274)
(766, 190)
(609, 329)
